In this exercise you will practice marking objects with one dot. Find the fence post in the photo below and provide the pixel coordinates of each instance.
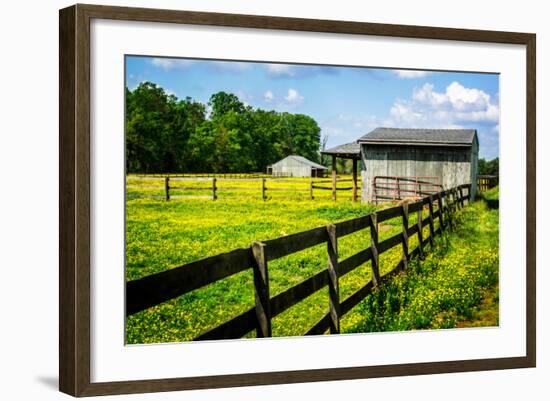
(374, 248)
(334, 182)
(354, 181)
(333, 288)
(214, 188)
(167, 187)
(461, 197)
(456, 200)
(440, 213)
(448, 209)
(405, 240)
(431, 208)
(454, 205)
(261, 290)
(420, 234)
(311, 188)
(263, 189)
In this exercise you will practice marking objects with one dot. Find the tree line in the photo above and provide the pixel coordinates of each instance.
(487, 167)
(166, 134)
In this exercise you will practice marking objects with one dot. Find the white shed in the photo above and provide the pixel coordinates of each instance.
(296, 166)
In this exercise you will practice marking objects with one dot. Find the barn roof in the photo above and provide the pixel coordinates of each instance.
(420, 136)
(305, 161)
(350, 150)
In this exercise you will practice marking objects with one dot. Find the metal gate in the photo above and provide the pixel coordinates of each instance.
(392, 188)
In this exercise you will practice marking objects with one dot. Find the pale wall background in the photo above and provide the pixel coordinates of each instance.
(28, 198)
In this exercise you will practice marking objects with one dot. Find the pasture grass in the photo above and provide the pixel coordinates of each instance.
(456, 285)
(162, 235)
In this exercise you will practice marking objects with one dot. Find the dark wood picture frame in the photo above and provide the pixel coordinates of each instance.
(74, 203)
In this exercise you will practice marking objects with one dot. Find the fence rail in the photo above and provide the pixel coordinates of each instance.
(152, 290)
(202, 175)
(177, 183)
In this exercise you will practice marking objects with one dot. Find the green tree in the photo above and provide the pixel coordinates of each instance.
(221, 103)
(306, 136)
(146, 125)
(164, 134)
(298, 134)
(158, 127)
(490, 167)
(186, 116)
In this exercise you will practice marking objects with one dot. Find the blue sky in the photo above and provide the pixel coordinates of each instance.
(346, 102)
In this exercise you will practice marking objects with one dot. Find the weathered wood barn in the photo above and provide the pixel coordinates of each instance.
(397, 163)
(296, 166)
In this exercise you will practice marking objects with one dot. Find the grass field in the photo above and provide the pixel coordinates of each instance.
(161, 235)
(456, 285)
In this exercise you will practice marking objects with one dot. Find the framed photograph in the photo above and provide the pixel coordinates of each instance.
(249, 200)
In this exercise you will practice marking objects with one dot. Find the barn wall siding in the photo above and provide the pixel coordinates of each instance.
(453, 166)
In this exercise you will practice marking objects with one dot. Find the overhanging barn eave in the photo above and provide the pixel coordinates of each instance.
(417, 143)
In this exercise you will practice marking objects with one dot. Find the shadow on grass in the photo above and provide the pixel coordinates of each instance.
(491, 203)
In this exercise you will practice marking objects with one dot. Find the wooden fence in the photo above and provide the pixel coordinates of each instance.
(486, 182)
(152, 290)
(203, 175)
(211, 187)
(334, 187)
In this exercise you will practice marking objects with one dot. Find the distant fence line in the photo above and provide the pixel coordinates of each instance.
(203, 175)
(486, 182)
(152, 290)
(212, 188)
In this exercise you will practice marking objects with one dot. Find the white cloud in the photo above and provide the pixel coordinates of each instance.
(230, 66)
(269, 96)
(170, 63)
(280, 70)
(294, 97)
(402, 112)
(426, 94)
(411, 74)
(466, 99)
(170, 92)
(244, 97)
(456, 105)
